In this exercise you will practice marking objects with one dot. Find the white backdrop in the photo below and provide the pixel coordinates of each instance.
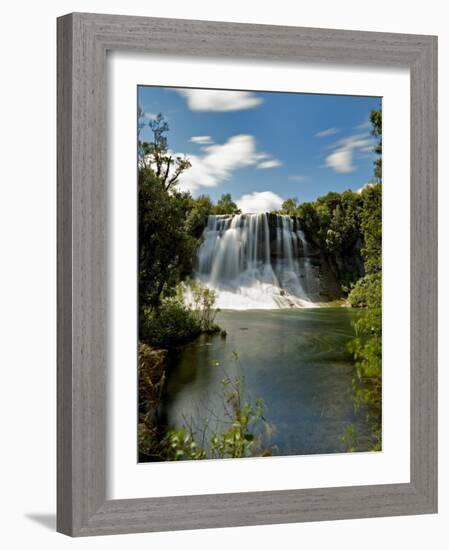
(392, 465)
(28, 236)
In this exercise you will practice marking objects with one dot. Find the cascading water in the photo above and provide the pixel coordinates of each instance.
(250, 270)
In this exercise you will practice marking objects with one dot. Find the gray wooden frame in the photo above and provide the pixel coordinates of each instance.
(83, 40)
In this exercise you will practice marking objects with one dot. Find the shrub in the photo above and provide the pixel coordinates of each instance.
(152, 364)
(349, 438)
(245, 435)
(366, 348)
(367, 292)
(202, 301)
(171, 324)
(239, 440)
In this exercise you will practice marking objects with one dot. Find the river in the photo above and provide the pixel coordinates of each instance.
(293, 359)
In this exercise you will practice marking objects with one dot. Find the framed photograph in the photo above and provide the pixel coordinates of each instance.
(247, 274)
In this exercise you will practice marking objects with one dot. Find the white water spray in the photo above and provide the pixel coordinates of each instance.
(251, 271)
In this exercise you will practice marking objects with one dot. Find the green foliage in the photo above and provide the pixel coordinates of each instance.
(333, 223)
(350, 438)
(168, 237)
(155, 155)
(371, 224)
(171, 223)
(151, 372)
(180, 445)
(367, 383)
(367, 292)
(239, 439)
(166, 250)
(366, 348)
(343, 232)
(200, 208)
(225, 205)
(347, 228)
(196, 218)
(335, 218)
(203, 301)
(376, 121)
(246, 431)
(151, 365)
(173, 322)
(169, 325)
(289, 207)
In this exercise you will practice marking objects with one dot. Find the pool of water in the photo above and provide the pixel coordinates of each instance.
(295, 360)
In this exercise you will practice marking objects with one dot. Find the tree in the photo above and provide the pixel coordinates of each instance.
(155, 155)
(199, 210)
(376, 121)
(166, 250)
(367, 293)
(371, 223)
(290, 207)
(225, 205)
(333, 224)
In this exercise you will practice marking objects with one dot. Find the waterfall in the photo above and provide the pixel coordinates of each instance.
(252, 267)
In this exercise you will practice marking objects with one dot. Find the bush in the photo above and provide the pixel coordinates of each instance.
(152, 365)
(367, 384)
(367, 292)
(366, 348)
(372, 227)
(239, 440)
(166, 250)
(169, 325)
(181, 445)
(246, 433)
(202, 300)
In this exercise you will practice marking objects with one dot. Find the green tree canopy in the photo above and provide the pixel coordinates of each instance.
(155, 155)
(290, 207)
(199, 210)
(166, 249)
(376, 121)
(225, 205)
(371, 223)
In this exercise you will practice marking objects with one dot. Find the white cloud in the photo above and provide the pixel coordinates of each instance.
(327, 132)
(342, 157)
(262, 201)
(357, 141)
(219, 100)
(363, 126)
(150, 116)
(218, 161)
(340, 161)
(269, 164)
(366, 186)
(202, 140)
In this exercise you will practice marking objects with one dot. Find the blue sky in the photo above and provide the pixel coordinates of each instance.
(263, 147)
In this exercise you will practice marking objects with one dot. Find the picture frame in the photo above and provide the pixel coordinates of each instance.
(83, 41)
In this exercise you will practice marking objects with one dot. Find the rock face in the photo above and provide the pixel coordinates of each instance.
(324, 275)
